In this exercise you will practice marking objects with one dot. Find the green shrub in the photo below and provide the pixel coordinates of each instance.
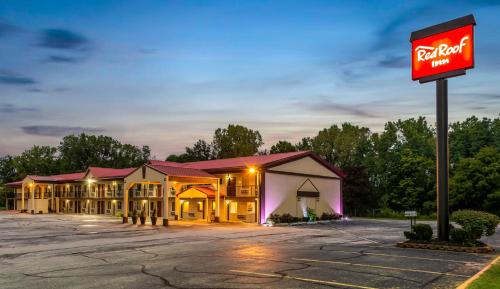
(476, 223)
(423, 232)
(458, 235)
(311, 215)
(295, 219)
(275, 218)
(332, 216)
(410, 235)
(286, 218)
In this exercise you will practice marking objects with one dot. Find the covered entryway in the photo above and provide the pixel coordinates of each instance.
(197, 203)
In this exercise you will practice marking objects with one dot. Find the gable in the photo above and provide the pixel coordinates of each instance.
(150, 175)
(307, 166)
(307, 189)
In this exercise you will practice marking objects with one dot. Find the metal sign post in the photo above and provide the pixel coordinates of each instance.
(439, 52)
(442, 158)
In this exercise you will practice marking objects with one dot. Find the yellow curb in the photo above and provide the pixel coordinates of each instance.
(471, 279)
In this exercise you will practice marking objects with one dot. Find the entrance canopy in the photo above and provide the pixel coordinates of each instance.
(199, 192)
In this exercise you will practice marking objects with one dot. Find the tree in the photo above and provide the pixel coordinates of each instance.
(468, 137)
(201, 151)
(357, 190)
(39, 160)
(8, 171)
(283, 146)
(305, 144)
(77, 153)
(343, 146)
(475, 184)
(236, 141)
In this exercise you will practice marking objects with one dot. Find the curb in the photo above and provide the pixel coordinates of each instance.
(486, 249)
(471, 279)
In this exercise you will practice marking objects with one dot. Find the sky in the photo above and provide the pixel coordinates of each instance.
(167, 73)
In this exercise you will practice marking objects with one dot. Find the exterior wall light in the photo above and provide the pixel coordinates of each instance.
(251, 170)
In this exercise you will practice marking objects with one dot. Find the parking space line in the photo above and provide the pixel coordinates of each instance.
(317, 281)
(381, 267)
(406, 257)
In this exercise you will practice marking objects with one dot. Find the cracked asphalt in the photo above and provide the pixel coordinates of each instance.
(71, 251)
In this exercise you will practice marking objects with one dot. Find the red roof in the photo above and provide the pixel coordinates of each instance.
(221, 165)
(164, 163)
(182, 172)
(57, 178)
(14, 184)
(210, 192)
(109, 173)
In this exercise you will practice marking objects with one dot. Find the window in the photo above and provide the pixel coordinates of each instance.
(109, 205)
(214, 204)
(200, 206)
(119, 187)
(119, 206)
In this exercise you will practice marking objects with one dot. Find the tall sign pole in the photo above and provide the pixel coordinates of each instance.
(439, 52)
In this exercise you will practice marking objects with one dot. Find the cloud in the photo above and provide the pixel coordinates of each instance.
(331, 107)
(395, 62)
(62, 59)
(7, 77)
(8, 108)
(62, 39)
(6, 28)
(50, 130)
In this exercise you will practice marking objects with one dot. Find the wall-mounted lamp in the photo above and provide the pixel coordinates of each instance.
(251, 170)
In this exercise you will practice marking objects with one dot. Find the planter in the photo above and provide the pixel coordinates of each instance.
(153, 220)
(134, 220)
(446, 247)
(143, 220)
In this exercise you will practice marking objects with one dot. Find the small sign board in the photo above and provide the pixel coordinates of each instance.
(410, 213)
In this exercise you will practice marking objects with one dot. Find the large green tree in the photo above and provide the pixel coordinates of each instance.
(475, 183)
(38, 160)
(282, 146)
(236, 141)
(77, 152)
(469, 136)
(200, 151)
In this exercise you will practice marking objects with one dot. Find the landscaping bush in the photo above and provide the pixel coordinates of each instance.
(420, 232)
(410, 235)
(423, 232)
(332, 216)
(458, 235)
(286, 218)
(295, 219)
(275, 218)
(476, 223)
(311, 215)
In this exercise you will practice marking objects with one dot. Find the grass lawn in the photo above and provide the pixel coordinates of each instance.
(489, 279)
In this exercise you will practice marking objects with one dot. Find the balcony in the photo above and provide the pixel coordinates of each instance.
(242, 191)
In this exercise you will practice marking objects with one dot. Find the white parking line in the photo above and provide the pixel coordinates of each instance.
(381, 267)
(406, 257)
(317, 281)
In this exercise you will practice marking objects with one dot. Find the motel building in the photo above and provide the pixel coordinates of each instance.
(243, 189)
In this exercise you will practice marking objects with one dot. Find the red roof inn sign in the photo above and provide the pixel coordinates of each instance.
(443, 50)
(437, 53)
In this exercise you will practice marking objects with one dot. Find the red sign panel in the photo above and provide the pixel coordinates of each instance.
(443, 52)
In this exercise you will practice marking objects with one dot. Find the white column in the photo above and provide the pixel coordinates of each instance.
(22, 196)
(166, 189)
(33, 207)
(217, 202)
(53, 204)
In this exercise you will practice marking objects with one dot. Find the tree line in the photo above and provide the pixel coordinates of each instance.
(387, 172)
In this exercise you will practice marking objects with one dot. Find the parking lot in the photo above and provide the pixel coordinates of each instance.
(70, 251)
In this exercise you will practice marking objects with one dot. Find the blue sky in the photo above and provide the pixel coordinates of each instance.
(166, 73)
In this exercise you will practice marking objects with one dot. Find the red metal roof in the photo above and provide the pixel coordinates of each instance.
(182, 172)
(14, 184)
(164, 163)
(57, 178)
(210, 192)
(221, 165)
(109, 173)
